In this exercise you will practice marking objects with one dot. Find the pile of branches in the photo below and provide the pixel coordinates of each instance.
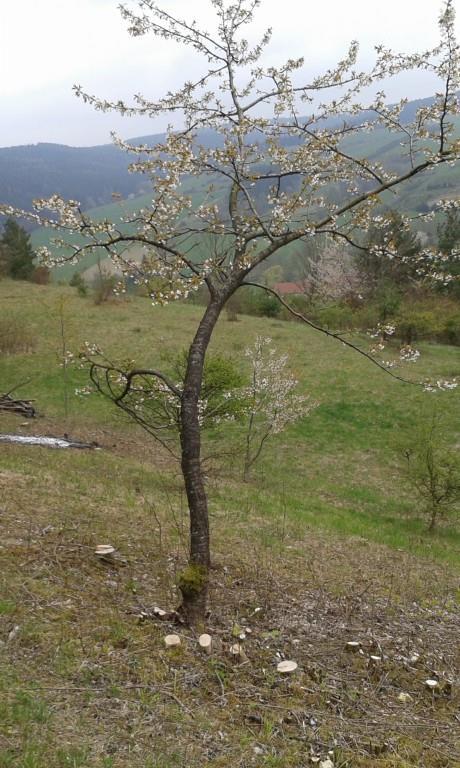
(22, 407)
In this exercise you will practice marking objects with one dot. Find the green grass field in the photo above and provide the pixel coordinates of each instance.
(361, 420)
(325, 544)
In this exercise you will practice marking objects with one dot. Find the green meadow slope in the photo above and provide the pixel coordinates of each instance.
(362, 418)
(325, 545)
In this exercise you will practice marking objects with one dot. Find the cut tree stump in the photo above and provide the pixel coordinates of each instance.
(171, 641)
(287, 667)
(205, 642)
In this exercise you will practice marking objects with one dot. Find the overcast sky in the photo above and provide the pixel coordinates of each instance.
(48, 45)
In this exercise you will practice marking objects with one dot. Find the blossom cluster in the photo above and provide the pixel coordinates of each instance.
(271, 399)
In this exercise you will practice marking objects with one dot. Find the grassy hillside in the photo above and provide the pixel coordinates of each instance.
(418, 195)
(379, 146)
(196, 188)
(362, 413)
(324, 545)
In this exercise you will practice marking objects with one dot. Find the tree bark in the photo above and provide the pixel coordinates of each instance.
(433, 519)
(194, 581)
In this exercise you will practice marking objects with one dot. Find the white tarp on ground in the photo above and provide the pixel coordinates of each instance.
(48, 442)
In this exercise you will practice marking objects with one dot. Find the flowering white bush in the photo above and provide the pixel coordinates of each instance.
(271, 399)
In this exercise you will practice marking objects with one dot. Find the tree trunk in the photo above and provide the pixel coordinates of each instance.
(247, 455)
(433, 518)
(194, 581)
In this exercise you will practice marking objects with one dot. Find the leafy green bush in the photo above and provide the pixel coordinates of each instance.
(450, 333)
(387, 300)
(337, 317)
(413, 323)
(222, 379)
(103, 287)
(299, 303)
(435, 318)
(267, 305)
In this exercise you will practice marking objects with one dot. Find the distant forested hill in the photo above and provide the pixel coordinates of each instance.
(92, 174)
(87, 174)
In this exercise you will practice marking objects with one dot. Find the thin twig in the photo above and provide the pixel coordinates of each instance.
(331, 334)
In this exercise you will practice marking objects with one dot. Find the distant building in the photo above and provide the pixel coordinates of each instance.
(293, 288)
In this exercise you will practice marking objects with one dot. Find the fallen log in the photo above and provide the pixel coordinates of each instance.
(22, 407)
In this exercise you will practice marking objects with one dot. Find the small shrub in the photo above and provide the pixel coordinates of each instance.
(433, 470)
(299, 303)
(222, 380)
(413, 324)
(103, 287)
(339, 317)
(77, 281)
(15, 337)
(450, 333)
(387, 300)
(430, 317)
(267, 306)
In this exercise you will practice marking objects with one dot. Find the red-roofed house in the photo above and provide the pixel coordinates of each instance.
(294, 288)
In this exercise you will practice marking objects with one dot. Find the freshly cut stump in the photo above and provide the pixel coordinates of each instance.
(205, 642)
(104, 550)
(353, 646)
(287, 667)
(236, 649)
(172, 640)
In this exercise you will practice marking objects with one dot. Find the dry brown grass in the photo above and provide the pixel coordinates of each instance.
(16, 336)
(88, 684)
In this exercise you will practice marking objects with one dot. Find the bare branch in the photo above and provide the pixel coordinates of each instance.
(326, 332)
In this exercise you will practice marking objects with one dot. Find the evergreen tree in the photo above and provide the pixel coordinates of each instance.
(448, 243)
(449, 232)
(3, 261)
(16, 253)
